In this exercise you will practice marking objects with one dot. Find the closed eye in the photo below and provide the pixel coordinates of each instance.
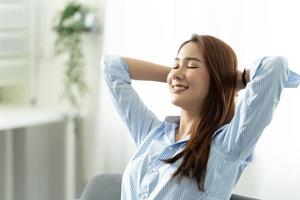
(191, 63)
(192, 67)
(176, 67)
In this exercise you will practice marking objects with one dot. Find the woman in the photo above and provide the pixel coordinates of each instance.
(201, 153)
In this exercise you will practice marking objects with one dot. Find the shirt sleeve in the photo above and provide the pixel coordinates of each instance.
(134, 113)
(268, 77)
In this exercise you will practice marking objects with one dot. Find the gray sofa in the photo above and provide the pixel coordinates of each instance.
(108, 187)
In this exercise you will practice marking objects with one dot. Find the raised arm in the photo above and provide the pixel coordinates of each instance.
(254, 112)
(118, 73)
(142, 70)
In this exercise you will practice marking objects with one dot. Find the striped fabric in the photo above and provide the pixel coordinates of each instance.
(146, 177)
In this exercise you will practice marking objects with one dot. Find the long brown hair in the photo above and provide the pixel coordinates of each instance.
(218, 107)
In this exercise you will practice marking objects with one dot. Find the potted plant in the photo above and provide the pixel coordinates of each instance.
(74, 20)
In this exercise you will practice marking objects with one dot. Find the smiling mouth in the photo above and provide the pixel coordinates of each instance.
(179, 88)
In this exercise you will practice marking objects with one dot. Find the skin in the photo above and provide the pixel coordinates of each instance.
(189, 70)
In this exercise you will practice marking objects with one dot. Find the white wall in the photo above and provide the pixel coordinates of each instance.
(153, 30)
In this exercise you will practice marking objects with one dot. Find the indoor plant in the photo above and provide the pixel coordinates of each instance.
(70, 24)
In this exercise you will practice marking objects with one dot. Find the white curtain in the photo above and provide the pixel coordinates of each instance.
(153, 30)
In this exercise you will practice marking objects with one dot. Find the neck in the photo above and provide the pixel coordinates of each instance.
(187, 118)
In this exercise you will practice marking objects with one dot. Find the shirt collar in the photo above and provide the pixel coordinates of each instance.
(172, 122)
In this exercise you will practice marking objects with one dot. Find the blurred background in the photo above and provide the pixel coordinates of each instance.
(58, 128)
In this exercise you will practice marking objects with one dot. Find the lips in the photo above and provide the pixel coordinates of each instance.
(176, 88)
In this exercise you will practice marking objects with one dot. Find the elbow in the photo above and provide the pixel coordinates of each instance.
(108, 65)
(104, 64)
(278, 67)
(113, 68)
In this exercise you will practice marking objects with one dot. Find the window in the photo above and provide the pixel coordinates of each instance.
(16, 45)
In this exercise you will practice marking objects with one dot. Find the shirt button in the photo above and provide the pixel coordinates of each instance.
(153, 170)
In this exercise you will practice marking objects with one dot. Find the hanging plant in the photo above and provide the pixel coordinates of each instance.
(70, 24)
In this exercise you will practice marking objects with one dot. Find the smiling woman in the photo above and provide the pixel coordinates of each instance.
(207, 104)
(203, 152)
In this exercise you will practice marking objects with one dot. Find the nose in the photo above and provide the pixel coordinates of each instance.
(178, 73)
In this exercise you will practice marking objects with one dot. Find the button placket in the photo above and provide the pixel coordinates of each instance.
(144, 189)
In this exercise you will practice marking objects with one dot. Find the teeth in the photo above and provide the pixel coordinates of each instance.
(178, 88)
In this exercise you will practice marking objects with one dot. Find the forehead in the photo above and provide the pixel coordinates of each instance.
(191, 49)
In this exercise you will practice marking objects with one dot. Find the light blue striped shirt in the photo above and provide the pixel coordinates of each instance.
(146, 177)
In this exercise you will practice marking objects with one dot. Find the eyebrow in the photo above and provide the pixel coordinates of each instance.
(190, 58)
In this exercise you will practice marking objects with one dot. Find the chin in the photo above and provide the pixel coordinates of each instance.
(177, 102)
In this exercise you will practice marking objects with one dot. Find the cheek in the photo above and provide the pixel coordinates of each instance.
(205, 81)
(202, 84)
